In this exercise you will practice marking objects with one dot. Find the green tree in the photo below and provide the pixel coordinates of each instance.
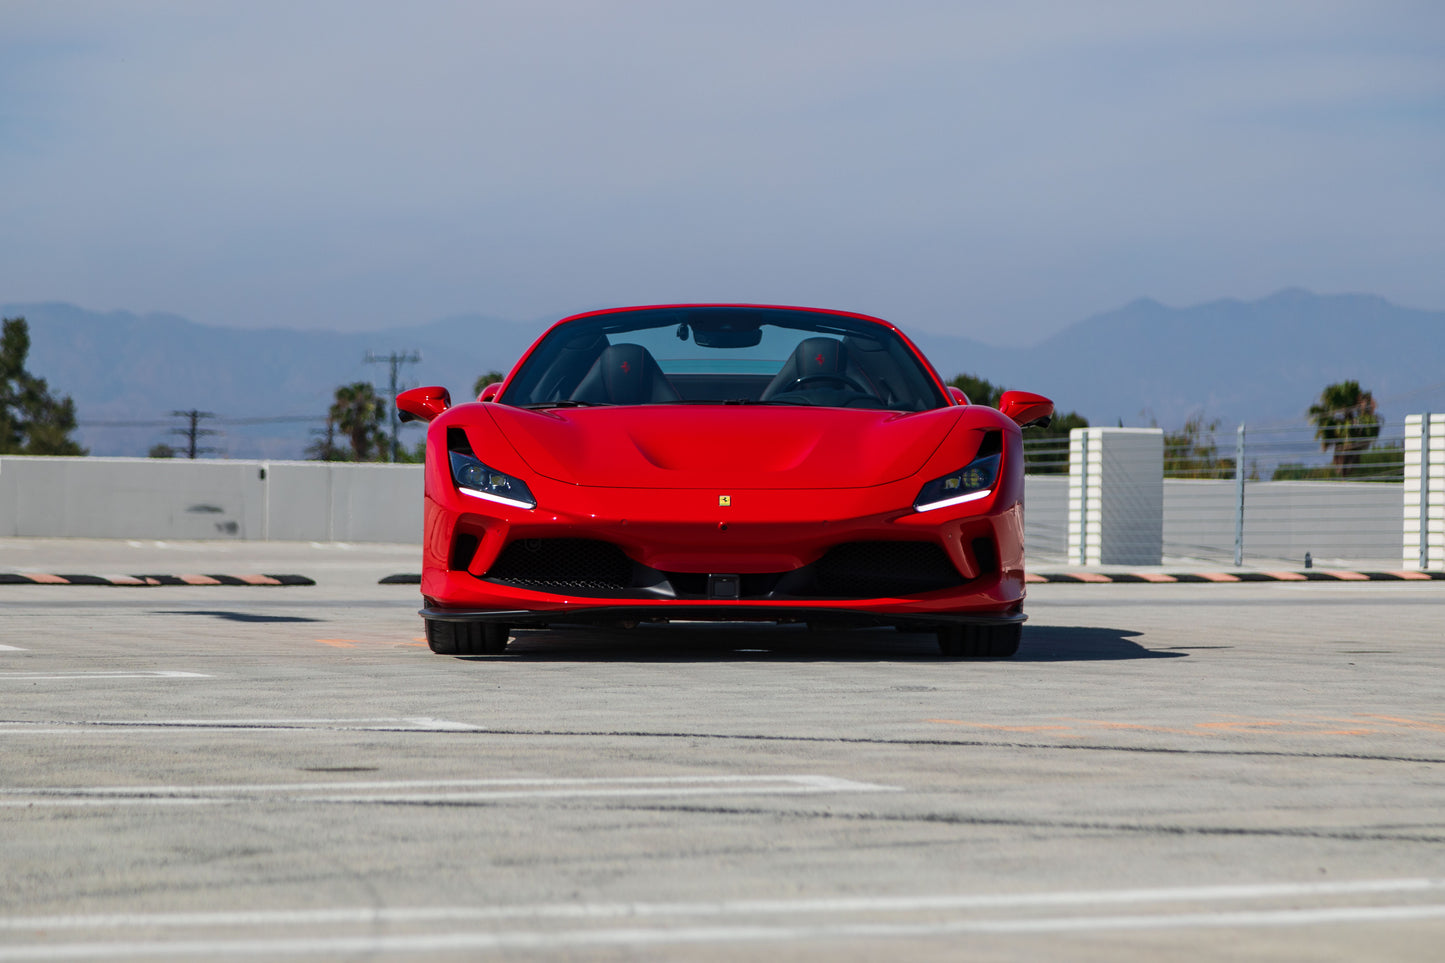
(979, 391)
(358, 414)
(490, 378)
(1045, 449)
(162, 450)
(1191, 452)
(324, 447)
(32, 422)
(1346, 423)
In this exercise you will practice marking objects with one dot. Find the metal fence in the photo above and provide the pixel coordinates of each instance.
(1260, 496)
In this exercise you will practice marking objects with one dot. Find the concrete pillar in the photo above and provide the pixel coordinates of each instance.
(1116, 496)
(1425, 491)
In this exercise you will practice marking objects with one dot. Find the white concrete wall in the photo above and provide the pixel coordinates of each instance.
(162, 498)
(1046, 517)
(1116, 496)
(1354, 521)
(1434, 491)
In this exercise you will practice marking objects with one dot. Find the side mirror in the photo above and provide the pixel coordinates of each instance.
(959, 398)
(423, 404)
(490, 391)
(1027, 409)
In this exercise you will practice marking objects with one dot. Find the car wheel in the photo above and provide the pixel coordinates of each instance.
(980, 641)
(466, 638)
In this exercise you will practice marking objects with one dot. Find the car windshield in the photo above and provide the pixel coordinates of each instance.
(724, 355)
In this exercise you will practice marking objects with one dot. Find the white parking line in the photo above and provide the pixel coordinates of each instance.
(383, 724)
(12, 648)
(550, 938)
(106, 676)
(434, 791)
(723, 908)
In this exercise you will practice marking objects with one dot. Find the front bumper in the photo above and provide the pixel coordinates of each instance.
(743, 612)
(764, 538)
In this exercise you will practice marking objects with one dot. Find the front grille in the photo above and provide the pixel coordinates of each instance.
(563, 563)
(884, 569)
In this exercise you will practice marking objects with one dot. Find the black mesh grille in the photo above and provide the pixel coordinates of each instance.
(879, 569)
(563, 563)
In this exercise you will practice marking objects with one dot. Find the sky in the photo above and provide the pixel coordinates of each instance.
(993, 170)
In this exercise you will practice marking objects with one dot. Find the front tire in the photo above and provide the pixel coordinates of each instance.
(466, 638)
(980, 641)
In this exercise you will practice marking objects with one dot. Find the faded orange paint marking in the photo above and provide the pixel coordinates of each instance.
(1409, 575)
(47, 579)
(1131, 725)
(126, 580)
(1287, 576)
(1156, 577)
(1218, 577)
(338, 643)
(258, 580)
(1408, 723)
(1090, 577)
(1243, 725)
(198, 580)
(1346, 576)
(1031, 577)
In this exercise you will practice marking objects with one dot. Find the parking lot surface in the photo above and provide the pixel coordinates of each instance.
(1213, 771)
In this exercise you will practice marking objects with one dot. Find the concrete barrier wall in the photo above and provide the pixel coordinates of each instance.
(157, 498)
(318, 501)
(1046, 516)
(1283, 520)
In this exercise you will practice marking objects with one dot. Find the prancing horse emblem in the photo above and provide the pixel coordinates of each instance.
(724, 501)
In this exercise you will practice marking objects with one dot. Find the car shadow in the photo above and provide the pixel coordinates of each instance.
(749, 642)
(239, 616)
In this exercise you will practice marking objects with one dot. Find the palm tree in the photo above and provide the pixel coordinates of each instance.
(1345, 422)
(357, 414)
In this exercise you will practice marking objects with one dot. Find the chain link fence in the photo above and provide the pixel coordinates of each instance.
(1294, 499)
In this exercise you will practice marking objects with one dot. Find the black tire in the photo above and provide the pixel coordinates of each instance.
(466, 638)
(980, 641)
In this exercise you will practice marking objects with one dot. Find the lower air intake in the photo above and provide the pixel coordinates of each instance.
(885, 569)
(550, 564)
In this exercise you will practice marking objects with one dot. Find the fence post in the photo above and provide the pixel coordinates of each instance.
(1239, 497)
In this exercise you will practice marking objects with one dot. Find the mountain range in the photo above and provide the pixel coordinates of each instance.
(1261, 361)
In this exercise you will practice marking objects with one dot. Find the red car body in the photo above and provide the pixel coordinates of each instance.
(802, 506)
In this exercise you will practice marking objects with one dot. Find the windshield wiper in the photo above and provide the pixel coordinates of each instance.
(565, 403)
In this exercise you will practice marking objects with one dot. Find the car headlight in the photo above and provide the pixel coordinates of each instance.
(972, 482)
(478, 480)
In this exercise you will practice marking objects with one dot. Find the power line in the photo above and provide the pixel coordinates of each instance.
(192, 431)
(395, 360)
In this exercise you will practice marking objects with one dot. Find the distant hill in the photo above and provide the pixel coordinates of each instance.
(123, 367)
(1259, 361)
(1239, 361)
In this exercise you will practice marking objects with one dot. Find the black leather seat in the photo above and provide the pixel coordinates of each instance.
(823, 359)
(625, 374)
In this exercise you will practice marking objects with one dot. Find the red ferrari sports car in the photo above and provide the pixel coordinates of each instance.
(723, 462)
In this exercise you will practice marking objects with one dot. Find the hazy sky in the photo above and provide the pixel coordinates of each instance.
(993, 169)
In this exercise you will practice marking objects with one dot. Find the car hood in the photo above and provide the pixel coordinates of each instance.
(734, 446)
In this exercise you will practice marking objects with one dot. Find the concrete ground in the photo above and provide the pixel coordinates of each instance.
(1208, 772)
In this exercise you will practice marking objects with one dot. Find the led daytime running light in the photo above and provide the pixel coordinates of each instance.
(970, 483)
(474, 478)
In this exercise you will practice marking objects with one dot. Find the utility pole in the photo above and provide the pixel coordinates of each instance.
(193, 431)
(395, 359)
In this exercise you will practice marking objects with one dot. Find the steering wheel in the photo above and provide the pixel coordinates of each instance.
(836, 379)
